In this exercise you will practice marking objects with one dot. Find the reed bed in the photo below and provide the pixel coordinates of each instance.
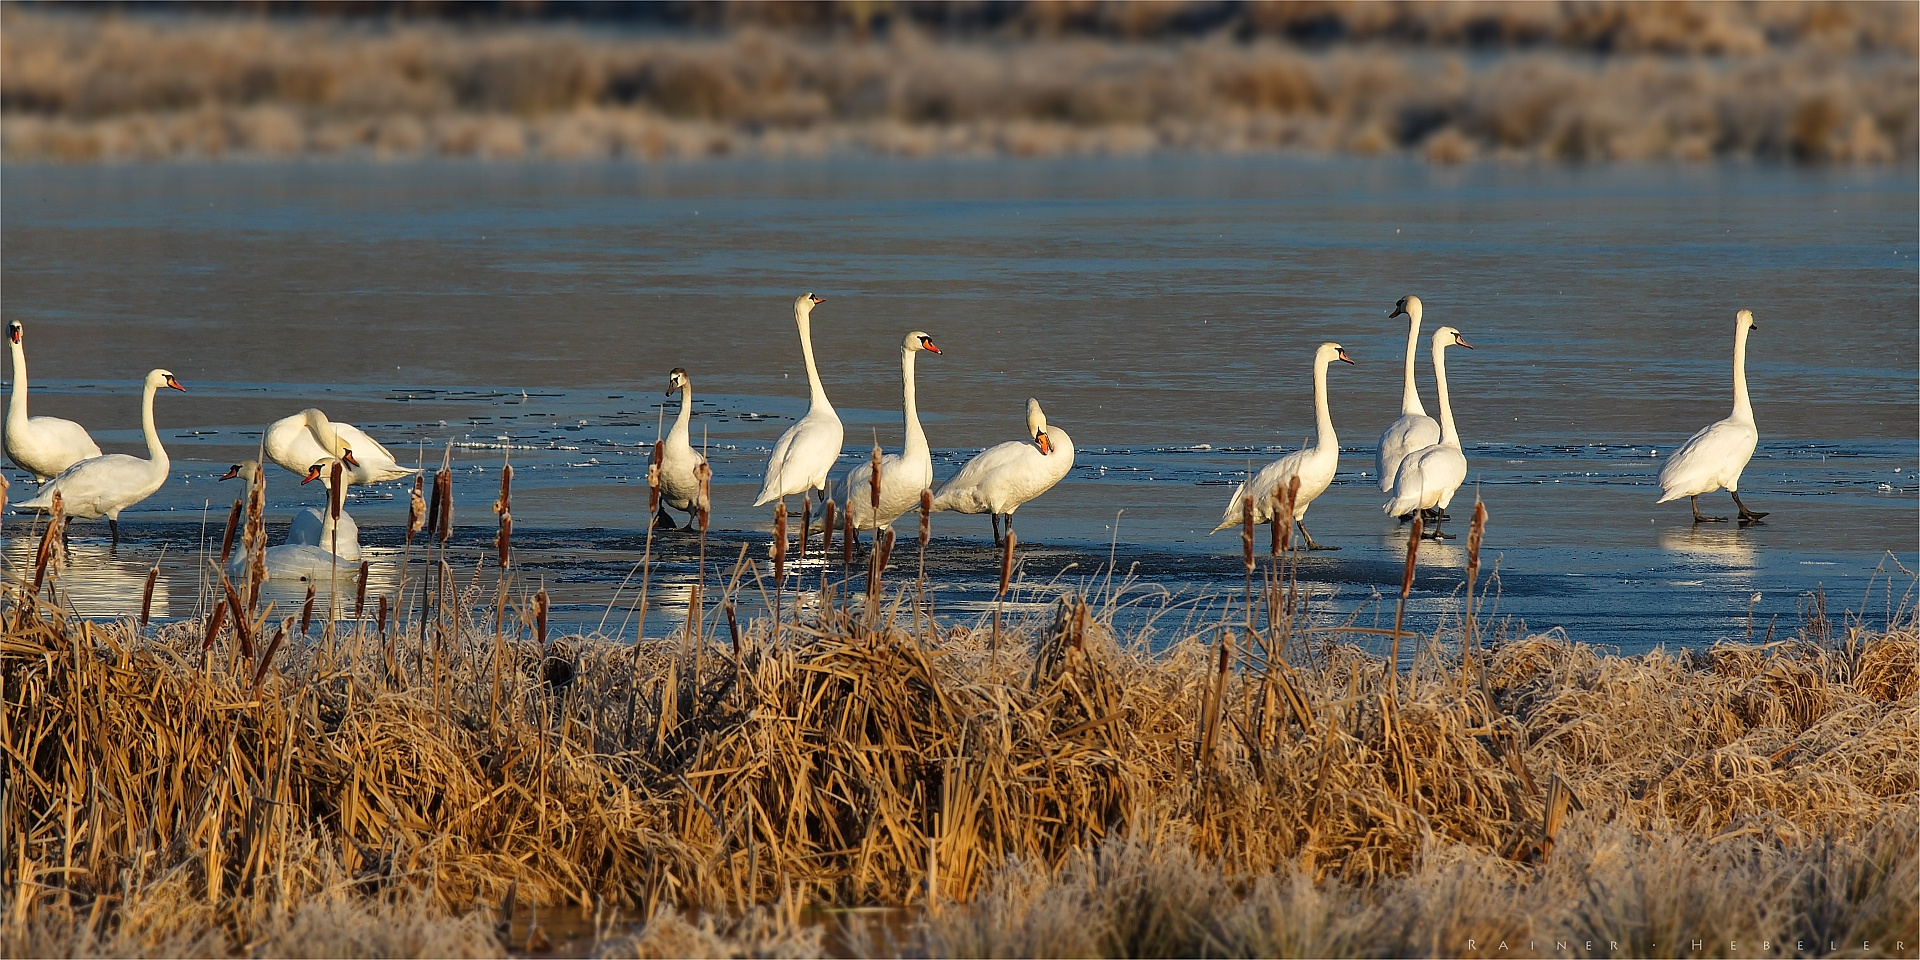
(1583, 82)
(1043, 786)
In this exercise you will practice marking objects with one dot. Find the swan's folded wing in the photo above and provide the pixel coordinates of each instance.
(966, 491)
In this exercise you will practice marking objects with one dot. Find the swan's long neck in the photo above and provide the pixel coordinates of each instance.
(820, 401)
(155, 452)
(1410, 397)
(1448, 435)
(680, 423)
(1742, 408)
(1323, 418)
(17, 407)
(916, 447)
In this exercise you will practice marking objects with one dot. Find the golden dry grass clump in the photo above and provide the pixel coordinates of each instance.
(1588, 82)
(1049, 788)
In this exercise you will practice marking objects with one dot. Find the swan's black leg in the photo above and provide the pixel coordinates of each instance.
(663, 520)
(1009, 524)
(1311, 545)
(1746, 516)
(1435, 533)
(995, 518)
(113, 527)
(1697, 518)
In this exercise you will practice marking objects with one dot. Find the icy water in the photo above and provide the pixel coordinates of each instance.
(1165, 311)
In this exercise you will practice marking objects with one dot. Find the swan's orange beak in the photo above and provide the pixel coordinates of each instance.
(313, 473)
(1046, 446)
(1346, 359)
(817, 298)
(925, 342)
(1459, 341)
(348, 459)
(171, 382)
(232, 472)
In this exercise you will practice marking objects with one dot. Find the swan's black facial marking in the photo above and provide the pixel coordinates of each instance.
(1460, 341)
(1343, 358)
(313, 473)
(13, 332)
(816, 298)
(232, 472)
(175, 384)
(926, 343)
(1399, 308)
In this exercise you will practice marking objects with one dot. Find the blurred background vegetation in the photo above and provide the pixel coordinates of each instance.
(1584, 80)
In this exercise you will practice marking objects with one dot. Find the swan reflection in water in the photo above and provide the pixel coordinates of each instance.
(1721, 546)
(99, 581)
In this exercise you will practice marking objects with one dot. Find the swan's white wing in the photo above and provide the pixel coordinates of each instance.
(1426, 478)
(967, 491)
(1711, 459)
(802, 457)
(102, 486)
(1409, 433)
(900, 486)
(1273, 476)
(291, 445)
(45, 446)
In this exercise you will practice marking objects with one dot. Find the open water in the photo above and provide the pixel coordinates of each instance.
(1164, 310)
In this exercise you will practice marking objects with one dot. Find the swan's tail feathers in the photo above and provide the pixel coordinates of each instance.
(42, 503)
(1667, 495)
(1232, 518)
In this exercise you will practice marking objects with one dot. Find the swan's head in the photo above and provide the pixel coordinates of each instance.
(1329, 352)
(803, 307)
(676, 378)
(13, 331)
(1408, 306)
(163, 378)
(918, 341)
(245, 470)
(1037, 426)
(324, 470)
(328, 437)
(1449, 337)
(1745, 317)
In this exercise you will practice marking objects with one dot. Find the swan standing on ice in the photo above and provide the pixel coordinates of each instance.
(1004, 476)
(307, 437)
(42, 446)
(105, 485)
(807, 451)
(1713, 458)
(1414, 430)
(1428, 477)
(679, 488)
(902, 475)
(1314, 465)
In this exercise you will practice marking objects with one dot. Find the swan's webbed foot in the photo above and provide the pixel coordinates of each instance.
(1311, 543)
(663, 520)
(1697, 518)
(1746, 516)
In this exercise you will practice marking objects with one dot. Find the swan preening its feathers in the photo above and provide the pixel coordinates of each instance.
(1414, 430)
(903, 475)
(103, 486)
(316, 544)
(1004, 476)
(1427, 477)
(806, 452)
(1713, 458)
(299, 441)
(1313, 466)
(42, 446)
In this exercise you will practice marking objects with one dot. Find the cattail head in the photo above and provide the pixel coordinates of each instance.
(1279, 524)
(381, 622)
(926, 516)
(704, 474)
(1413, 550)
(214, 623)
(826, 530)
(433, 508)
(336, 491)
(873, 481)
(780, 542)
(503, 543)
(360, 592)
(443, 491)
(306, 610)
(146, 595)
(255, 538)
(1246, 531)
(1006, 561)
(653, 478)
(416, 509)
(1286, 514)
(1474, 533)
(540, 615)
(885, 546)
(233, 527)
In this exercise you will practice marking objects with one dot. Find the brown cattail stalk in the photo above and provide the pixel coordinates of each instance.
(886, 549)
(653, 480)
(926, 537)
(416, 509)
(266, 657)
(826, 531)
(233, 527)
(214, 623)
(873, 485)
(1400, 611)
(1474, 535)
(503, 544)
(1279, 522)
(1000, 597)
(254, 540)
(240, 626)
(360, 592)
(382, 618)
(806, 519)
(49, 542)
(1246, 533)
(846, 542)
(540, 616)
(780, 543)
(443, 493)
(146, 595)
(696, 607)
(306, 611)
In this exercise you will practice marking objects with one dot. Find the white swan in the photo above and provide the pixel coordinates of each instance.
(1428, 477)
(42, 446)
(1414, 429)
(1002, 477)
(105, 485)
(679, 487)
(905, 474)
(313, 538)
(807, 451)
(311, 527)
(1314, 465)
(299, 441)
(1713, 458)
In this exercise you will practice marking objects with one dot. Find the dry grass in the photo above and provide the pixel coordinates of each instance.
(1810, 83)
(1263, 790)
